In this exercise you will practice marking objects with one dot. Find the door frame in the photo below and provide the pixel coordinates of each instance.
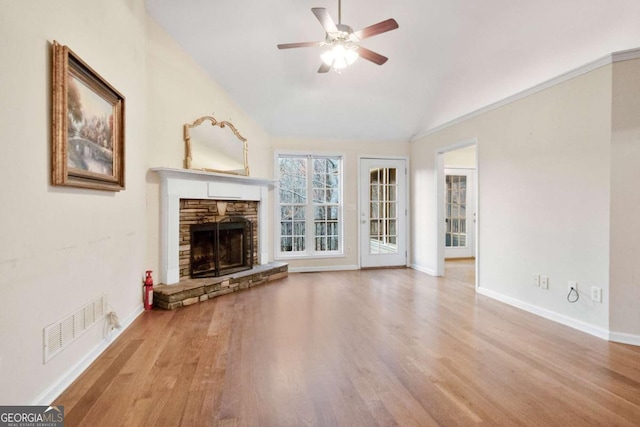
(440, 208)
(407, 192)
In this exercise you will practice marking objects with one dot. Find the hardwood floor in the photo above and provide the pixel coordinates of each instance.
(357, 348)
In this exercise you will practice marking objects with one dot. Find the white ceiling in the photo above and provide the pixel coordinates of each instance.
(448, 57)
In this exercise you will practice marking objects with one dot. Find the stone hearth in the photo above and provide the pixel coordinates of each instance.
(193, 291)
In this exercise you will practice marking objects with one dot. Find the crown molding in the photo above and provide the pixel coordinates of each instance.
(625, 55)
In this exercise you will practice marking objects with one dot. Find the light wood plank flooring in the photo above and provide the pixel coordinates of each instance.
(358, 348)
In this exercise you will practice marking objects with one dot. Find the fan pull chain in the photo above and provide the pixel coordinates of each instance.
(339, 12)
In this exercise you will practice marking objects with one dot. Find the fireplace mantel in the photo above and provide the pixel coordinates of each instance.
(179, 184)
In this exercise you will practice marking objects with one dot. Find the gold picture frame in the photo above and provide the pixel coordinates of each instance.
(88, 126)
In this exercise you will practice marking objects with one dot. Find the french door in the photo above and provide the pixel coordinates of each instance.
(459, 213)
(383, 212)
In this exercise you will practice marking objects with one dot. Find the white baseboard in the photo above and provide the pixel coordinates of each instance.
(323, 268)
(72, 374)
(429, 271)
(547, 314)
(624, 338)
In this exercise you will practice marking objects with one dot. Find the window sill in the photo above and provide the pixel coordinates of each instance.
(305, 257)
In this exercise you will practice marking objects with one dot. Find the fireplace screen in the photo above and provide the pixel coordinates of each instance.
(220, 248)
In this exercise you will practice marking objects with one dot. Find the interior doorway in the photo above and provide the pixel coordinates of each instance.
(457, 204)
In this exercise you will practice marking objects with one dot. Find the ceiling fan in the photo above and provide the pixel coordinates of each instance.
(343, 42)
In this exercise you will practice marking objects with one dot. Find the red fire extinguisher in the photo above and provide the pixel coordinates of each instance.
(148, 291)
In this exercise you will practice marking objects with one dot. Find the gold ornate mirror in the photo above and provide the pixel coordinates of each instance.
(215, 148)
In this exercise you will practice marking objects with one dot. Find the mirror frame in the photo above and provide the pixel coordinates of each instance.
(188, 151)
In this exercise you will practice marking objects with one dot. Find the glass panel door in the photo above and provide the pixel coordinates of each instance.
(459, 214)
(456, 213)
(382, 212)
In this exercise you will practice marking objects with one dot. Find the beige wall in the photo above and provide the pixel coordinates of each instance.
(351, 150)
(63, 247)
(461, 158)
(625, 200)
(543, 185)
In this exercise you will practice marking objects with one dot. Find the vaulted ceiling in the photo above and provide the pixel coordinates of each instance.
(446, 59)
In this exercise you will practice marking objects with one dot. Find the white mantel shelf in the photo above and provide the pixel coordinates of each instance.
(179, 184)
(209, 176)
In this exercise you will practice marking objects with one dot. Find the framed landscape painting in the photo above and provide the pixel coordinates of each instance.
(88, 126)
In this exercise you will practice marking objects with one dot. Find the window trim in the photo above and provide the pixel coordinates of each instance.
(310, 252)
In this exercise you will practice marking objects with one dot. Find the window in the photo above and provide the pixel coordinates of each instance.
(309, 205)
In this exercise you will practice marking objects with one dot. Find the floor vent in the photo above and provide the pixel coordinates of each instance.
(60, 334)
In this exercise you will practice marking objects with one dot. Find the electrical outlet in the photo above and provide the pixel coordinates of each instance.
(596, 294)
(544, 282)
(536, 280)
(572, 285)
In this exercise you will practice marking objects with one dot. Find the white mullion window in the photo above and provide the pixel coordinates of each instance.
(309, 205)
(292, 201)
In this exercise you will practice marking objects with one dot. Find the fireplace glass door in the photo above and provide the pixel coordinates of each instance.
(221, 248)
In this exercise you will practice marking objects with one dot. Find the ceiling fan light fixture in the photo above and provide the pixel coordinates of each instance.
(342, 43)
(339, 56)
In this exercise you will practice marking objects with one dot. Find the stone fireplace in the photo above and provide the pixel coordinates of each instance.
(191, 197)
(201, 212)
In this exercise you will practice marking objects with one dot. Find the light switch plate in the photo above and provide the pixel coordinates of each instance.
(544, 282)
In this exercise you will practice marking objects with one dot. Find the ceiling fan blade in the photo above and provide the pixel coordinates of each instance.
(324, 68)
(324, 18)
(370, 55)
(302, 44)
(375, 29)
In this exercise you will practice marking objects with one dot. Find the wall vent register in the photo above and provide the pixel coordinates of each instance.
(60, 334)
